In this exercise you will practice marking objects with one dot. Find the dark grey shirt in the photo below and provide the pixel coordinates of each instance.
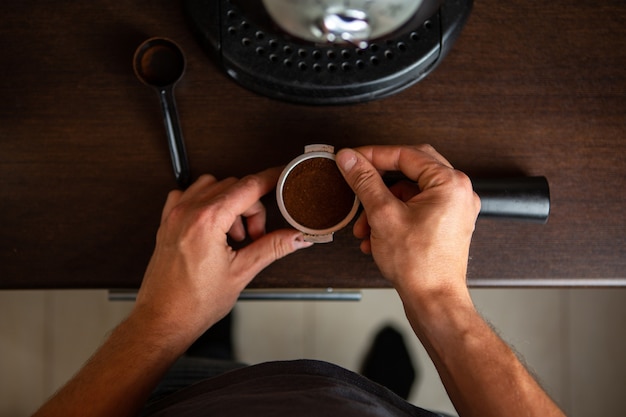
(290, 388)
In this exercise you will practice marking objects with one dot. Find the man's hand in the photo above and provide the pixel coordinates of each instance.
(419, 234)
(195, 277)
(418, 231)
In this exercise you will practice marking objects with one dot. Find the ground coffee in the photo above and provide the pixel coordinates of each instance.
(316, 195)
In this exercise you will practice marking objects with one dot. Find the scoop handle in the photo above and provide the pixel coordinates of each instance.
(519, 198)
(175, 141)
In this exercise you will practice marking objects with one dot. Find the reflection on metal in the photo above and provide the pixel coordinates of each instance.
(547, 283)
(328, 294)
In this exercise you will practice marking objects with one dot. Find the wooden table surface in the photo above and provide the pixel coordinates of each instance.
(530, 88)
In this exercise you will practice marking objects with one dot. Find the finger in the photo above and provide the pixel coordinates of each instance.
(392, 157)
(201, 183)
(403, 190)
(364, 179)
(172, 200)
(429, 150)
(212, 189)
(237, 230)
(425, 149)
(177, 196)
(361, 228)
(366, 247)
(255, 219)
(245, 193)
(252, 259)
(421, 164)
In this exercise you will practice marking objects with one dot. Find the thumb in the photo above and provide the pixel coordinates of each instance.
(363, 178)
(259, 254)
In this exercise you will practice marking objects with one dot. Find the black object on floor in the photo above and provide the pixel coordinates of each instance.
(389, 364)
(216, 343)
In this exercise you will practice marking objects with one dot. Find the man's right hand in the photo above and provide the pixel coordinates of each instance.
(418, 231)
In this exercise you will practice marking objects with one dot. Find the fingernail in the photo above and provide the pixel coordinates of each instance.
(346, 159)
(300, 243)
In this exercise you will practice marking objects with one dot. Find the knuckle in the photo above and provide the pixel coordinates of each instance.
(230, 179)
(462, 187)
(205, 217)
(206, 180)
(461, 181)
(177, 213)
(173, 194)
(425, 147)
(250, 182)
(280, 249)
(477, 203)
(218, 204)
(362, 180)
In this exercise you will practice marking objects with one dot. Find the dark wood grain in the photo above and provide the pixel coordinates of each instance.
(532, 88)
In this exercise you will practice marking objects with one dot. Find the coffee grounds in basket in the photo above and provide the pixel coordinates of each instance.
(316, 195)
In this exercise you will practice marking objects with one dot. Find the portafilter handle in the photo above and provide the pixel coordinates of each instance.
(516, 198)
(519, 198)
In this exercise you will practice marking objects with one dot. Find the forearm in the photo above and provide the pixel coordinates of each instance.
(419, 233)
(119, 377)
(481, 373)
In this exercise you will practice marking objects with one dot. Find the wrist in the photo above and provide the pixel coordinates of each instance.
(159, 331)
(442, 307)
